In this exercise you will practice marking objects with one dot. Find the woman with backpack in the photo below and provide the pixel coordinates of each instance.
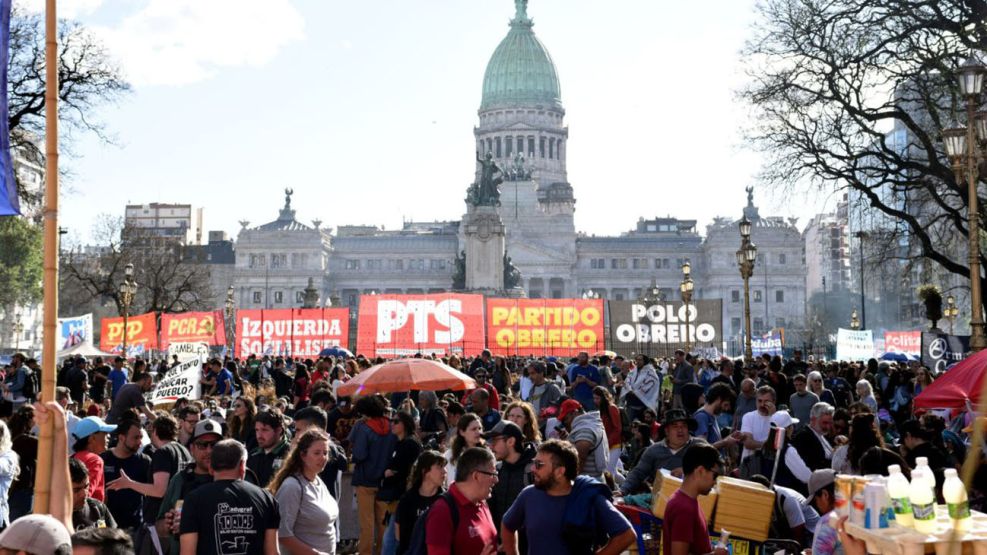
(308, 511)
(425, 486)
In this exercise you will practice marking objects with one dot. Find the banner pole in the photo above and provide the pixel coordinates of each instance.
(42, 481)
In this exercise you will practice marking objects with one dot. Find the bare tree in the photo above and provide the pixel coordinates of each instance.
(854, 94)
(166, 282)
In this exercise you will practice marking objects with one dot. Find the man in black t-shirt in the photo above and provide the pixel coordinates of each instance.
(131, 396)
(123, 461)
(272, 446)
(86, 511)
(229, 515)
(207, 433)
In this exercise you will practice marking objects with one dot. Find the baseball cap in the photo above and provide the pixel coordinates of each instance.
(568, 407)
(506, 428)
(819, 480)
(207, 426)
(783, 420)
(90, 425)
(37, 534)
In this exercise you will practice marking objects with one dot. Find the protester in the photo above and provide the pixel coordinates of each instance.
(865, 394)
(476, 474)
(315, 417)
(613, 425)
(118, 376)
(682, 374)
(131, 396)
(802, 401)
(125, 495)
(523, 415)
(514, 458)
(427, 479)
(543, 393)
(564, 512)
(469, 433)
(25, 445)
(755, 425)
(719, 397)
(101, 541)
(86, 511)
(188, 417)
(684, 529)
(90, 442)
(272, 446)
(641, 388)
(586, 433)
(863, 435)
(229, 515)
(583, 377)
(372, 445)
(746, 402)
(818, 388)
(36, 535)
(192, 476)
(813, 443)
(431, 416)
(308, 511)
(666, 454)
(395, 482)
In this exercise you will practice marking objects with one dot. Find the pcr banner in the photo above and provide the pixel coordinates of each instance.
(660, 329)
(180, 381)
(907, 342)
(193, 327)
(403, 325)
(854, 344)
(142, 334)
(535, 327)
(74, 331)
(294, 332)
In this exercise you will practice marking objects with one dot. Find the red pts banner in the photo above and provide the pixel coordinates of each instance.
(401, 325)
(560, 327)
(142, 334)
(193, 327)
(295, 332)
(907, 342)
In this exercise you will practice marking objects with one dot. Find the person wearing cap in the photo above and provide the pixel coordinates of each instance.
(822, 497)
(194, 475)
(90, 442)
(684, 529)
(666, 454)
(585, 431)
(36, 535)
(792, 472)
(514, 457)
(796, 519)
(542, 393)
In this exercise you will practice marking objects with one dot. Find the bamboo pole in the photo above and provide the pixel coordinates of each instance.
(42, 481)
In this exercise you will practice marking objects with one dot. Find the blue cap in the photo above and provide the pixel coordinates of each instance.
(90, 425)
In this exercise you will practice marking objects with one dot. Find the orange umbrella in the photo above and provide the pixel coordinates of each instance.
(406, 374)
(610, 354)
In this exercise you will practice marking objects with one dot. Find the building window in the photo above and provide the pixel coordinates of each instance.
(278, 297)
(758, 325)
(531, 147)
(375, 264)
(416, 264)
(437, 264)
(757, 296)
(489, 145)
(780, 296)
(541, 146)
(508, 146)
(640, 263)
(352, 264)
(618, 263)
(520, 145)
(735, 296)
(396, 264)
(780, 323)
(279, 261)
(781, 258)
(618, 296)
(258, 260)
(735, 325)
(551, 148)
(497, 142)
(299, 296)
(257, 296)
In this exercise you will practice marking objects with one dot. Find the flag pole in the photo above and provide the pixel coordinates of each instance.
(42, 485)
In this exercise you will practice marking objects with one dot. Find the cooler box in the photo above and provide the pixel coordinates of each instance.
(744, 509)
(665, 485)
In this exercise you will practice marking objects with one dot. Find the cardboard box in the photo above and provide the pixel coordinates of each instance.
(744, 509)
(665, 485)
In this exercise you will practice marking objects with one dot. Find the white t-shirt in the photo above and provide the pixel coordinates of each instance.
(758, 426)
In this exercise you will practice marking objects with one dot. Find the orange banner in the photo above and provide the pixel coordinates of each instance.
(193, 327)
(535, 327)
(142, 334)
(403, 325)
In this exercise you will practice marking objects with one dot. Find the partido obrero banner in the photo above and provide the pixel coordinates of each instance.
(400, 325)
(295, 332)
(192, 327)
(561, 327)
(662, 327)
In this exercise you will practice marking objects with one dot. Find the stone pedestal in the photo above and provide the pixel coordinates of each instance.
(485, 244)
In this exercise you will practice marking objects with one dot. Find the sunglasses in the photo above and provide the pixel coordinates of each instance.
(538, 464)
(487, 472)
(205, 444)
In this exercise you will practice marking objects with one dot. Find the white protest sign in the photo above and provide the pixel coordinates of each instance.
(854, 344)
(185, 351)
(180, 381)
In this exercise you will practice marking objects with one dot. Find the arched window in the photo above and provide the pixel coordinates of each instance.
(531, 147)
(541, 146)
(489, 145)
(520, 145)
(551, 148)
(509, 149)
(497, 142)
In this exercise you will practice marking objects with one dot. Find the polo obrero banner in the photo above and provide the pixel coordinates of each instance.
(659, 329)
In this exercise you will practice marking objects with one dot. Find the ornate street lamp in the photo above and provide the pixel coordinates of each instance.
(128, 290)
(589, 294)
(685, 288)
(230, 323)
(854, 320)
(951, 311)
(964, 146)
(746, 258)
(652, 294)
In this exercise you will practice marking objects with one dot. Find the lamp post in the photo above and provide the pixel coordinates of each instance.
(863, 306)
(652, 294)
(230, 308)
(128, 289)
(589, 294)
(746, 258)
(951, 311)
(18, 330)
(965, 153)
(685, 288)
(854, 320)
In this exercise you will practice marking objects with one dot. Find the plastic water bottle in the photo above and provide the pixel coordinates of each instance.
(923, 502)
(930, 477)
(956, 501)
(899, 492)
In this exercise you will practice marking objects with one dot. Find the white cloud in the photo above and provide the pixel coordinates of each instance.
(176, 42)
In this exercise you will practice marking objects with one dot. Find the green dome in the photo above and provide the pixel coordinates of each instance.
(521, 71)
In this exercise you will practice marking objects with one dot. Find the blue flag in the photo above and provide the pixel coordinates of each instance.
(10, 204)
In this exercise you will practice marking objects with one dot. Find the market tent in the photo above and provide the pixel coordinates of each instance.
(956, 386)
(85, 349)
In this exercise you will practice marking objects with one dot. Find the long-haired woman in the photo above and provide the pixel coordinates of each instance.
(9, 469)
(308, 511)
(523, 414)
(424, 487)
(469, 433)
(864, 434)
(818, 386)
(26, 446)
(610, 415)
(241, 423)
(501, 376)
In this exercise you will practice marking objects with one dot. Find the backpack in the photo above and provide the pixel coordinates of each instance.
(418, 544)
(579, 521)
(31, 385)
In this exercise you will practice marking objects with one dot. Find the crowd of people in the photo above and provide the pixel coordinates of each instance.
(543, 456)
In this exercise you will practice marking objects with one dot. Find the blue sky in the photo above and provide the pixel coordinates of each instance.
(366, 108)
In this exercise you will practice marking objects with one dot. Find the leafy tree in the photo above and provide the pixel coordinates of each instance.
(20, 261)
